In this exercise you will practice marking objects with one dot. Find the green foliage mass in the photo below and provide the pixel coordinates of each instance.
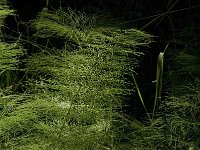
(72, 94)
(74, 83)
(184, 101)
(9, 53)
(4, 11)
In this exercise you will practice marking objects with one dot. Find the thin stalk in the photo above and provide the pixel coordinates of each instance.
(140, 96)
(47, 3)
(159, 75)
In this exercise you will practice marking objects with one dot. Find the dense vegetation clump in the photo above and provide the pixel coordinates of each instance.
(65, 86)
(74, 90)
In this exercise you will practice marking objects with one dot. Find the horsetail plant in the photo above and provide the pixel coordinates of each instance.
(74, 91)
(141, 98)
(159, 78)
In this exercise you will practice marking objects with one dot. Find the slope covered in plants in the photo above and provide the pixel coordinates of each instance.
(66, 79)
(74, 93)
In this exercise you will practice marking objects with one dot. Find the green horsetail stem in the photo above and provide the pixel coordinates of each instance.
(140, 96)
(159, 75)
(47, 3)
